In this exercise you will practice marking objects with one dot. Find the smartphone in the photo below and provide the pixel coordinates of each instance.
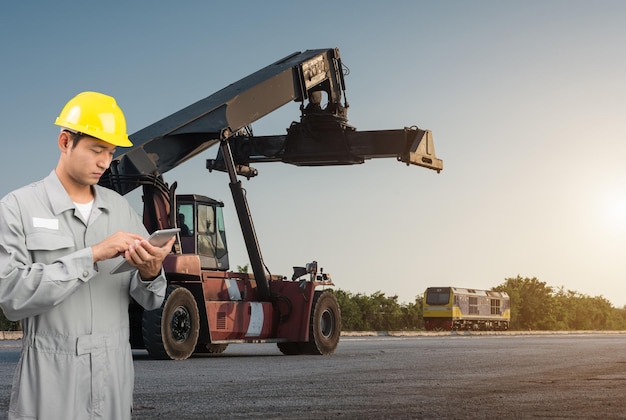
(157, 238)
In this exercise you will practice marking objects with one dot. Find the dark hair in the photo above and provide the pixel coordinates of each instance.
(76, 136)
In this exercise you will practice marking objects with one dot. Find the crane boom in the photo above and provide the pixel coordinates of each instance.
(322, 137)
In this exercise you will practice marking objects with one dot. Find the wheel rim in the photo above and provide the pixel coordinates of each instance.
(327, 323)
(181, 324)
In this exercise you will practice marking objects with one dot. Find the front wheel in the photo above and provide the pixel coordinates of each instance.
(325, 324)
(171, 331)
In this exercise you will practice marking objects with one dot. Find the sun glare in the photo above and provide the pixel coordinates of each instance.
(615, 214)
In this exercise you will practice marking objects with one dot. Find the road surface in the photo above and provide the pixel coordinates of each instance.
(581, 376)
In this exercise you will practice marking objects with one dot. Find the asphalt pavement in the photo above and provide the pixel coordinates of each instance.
(580, 376)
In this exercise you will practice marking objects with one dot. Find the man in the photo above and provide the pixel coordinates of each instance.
(58, 241)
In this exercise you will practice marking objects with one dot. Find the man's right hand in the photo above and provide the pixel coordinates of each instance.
(113, 246)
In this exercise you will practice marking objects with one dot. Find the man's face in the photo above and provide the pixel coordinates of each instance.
(88, 159)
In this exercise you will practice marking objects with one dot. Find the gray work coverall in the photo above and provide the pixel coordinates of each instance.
(76, 362)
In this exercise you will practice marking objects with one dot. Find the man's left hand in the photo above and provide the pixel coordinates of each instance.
(147, 258)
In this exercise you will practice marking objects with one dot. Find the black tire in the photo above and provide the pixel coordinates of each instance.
(171, 331)
(325, 324)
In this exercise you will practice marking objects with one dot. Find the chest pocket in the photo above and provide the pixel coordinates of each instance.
(45, 247)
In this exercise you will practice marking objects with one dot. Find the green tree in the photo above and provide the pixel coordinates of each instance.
(378, 312)
(581, 312)
(351, 315)
(532, 305)
(619, 318)
(536, 306)
(412, 315)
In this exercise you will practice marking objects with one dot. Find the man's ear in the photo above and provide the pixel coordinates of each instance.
(64, 141)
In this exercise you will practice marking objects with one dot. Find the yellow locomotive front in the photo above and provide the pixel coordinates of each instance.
(438, 309)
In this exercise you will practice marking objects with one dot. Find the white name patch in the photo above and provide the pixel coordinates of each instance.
(46, 223)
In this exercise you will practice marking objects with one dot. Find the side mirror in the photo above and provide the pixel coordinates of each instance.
(311, 267)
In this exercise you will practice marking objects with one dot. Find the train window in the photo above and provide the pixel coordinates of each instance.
(495, 306)
(438, 297)
(473, 305)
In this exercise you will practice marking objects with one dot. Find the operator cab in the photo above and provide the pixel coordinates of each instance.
(202, 230)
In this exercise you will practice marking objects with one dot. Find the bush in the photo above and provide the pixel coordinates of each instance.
(378, 312)
(6, 325)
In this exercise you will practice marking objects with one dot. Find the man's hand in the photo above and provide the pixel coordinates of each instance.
(113, 246)
(147, 258)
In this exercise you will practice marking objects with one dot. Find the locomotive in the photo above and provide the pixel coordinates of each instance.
(455, 308)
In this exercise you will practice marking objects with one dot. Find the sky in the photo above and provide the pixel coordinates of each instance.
(526, 102)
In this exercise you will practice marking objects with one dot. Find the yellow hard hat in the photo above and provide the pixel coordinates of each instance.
(96, 115)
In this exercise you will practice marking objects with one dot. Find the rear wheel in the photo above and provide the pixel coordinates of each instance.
(325, 324)
(171, 332)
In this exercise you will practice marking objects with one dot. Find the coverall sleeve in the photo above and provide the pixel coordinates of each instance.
(148, 294)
